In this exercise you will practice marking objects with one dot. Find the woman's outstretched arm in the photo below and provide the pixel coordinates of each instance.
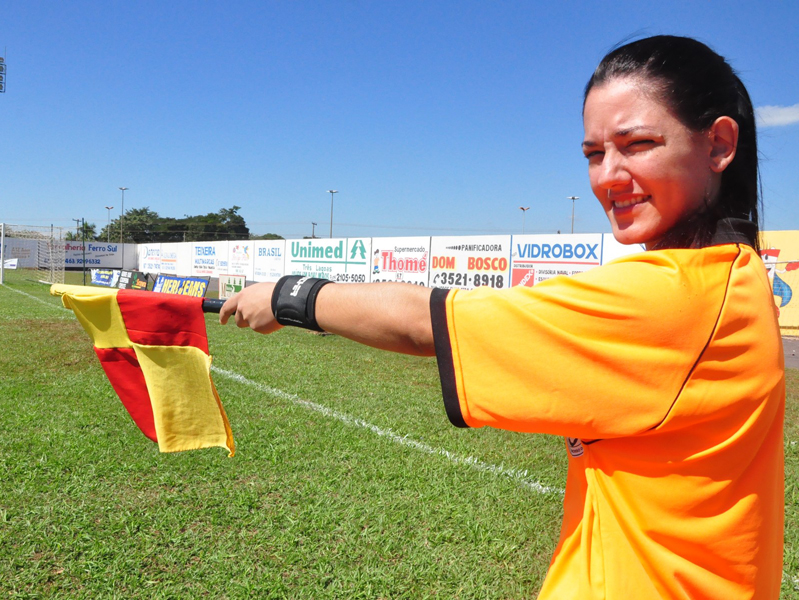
(389, 316)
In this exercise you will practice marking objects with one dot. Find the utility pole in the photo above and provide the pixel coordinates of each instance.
(331, 192)
(121, 224)
(83, 243)
(108, 226)
(573, 198)
(524, 210)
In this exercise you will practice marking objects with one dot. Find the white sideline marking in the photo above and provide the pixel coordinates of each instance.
(32, 297)
(519, 476)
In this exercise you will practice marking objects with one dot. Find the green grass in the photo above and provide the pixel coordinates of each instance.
(314, 505)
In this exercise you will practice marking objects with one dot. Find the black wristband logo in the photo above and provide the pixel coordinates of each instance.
(294, 301)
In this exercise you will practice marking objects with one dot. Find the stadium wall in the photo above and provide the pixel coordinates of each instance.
(462, 262)
(448, 262)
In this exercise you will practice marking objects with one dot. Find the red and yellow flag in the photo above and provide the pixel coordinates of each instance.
(154, 350)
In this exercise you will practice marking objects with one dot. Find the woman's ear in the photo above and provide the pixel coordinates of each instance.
(723, 143)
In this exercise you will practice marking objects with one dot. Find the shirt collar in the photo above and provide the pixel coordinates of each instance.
(734, 231)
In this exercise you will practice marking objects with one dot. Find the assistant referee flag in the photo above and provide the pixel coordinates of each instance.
(154, 350)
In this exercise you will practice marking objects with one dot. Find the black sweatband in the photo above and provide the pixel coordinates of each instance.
(294, 301)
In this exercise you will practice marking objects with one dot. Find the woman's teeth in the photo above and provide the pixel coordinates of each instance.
(630, 202)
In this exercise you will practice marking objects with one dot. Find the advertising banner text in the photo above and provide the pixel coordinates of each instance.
(404, 260)
(467, 262)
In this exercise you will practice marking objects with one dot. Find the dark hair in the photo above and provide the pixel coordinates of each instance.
(699, 86)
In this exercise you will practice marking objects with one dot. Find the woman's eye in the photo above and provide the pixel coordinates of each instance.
(594, 154)
(640, 143)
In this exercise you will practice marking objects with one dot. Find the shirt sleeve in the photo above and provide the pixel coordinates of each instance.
(596, 355)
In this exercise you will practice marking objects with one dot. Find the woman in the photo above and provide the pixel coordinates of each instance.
(663, 370)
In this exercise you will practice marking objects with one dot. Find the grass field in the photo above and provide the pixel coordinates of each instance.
(348, 480)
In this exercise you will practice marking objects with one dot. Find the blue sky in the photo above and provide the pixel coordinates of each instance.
(430, 118)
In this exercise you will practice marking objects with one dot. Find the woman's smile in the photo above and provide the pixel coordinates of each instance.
(647, 169)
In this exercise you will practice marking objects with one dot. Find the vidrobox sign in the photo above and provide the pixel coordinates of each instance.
(536, 258)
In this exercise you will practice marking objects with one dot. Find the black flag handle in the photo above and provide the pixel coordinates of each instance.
(213, 305)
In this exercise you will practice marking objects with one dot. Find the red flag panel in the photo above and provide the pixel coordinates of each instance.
(163, 319)
(125, 375)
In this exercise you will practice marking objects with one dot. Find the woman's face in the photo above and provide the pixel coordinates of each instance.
(647, 169)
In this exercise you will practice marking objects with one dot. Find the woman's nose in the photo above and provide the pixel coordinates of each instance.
(613, 171)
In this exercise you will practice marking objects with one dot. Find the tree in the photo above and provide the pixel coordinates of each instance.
(234, 223)
(267, 236)
(142, 225)
(226, 224)
(87, 232)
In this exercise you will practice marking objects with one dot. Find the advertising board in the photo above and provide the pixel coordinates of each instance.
(536, 258)
(183, 286)
(231, 284)
(401, 259)
(176, 258)
(268, 260)
(150, 258)
(132, 280)
(209, 258)
(240, 258)
(467, 262)
(105, 277)
(345, 260)
(95, 254)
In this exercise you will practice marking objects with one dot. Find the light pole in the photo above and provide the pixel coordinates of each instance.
(313, 230)
(108, 227)
(331, 192)
(524, 210)
(81, 224)
(121, 225)
(573, 198)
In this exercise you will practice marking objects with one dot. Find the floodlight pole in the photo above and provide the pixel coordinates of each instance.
(121, 224)
(3, 251)
(331, 192)
(524, 210)
(83, 245)
(573, 198)
(108, 227)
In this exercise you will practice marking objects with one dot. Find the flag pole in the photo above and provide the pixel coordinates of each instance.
(213, 305)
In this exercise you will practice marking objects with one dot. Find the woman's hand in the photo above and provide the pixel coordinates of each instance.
(252, 307)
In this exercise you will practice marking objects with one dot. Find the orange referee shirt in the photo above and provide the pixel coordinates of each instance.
(664, 372)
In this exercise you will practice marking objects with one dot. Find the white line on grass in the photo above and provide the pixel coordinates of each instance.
(517, 475)
(32, 297)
